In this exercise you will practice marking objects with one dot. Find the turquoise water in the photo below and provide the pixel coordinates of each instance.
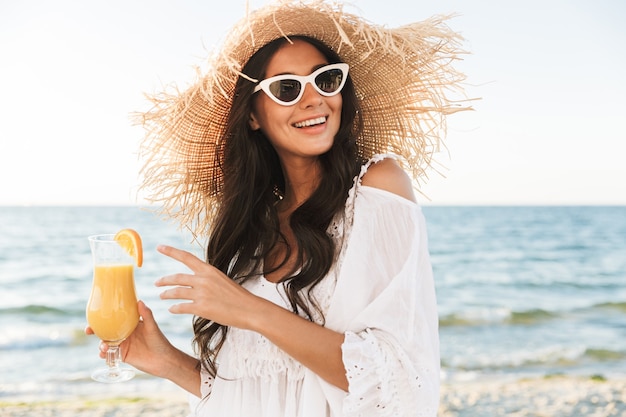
(521, 291)
(531, 289)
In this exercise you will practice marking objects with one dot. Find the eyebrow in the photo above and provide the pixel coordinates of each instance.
(315, 68)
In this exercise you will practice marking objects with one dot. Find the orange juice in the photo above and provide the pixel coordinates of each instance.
(112, 307)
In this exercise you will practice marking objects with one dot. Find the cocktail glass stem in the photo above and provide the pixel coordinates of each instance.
(113, 361)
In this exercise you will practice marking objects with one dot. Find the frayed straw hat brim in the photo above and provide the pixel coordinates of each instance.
(403, 76)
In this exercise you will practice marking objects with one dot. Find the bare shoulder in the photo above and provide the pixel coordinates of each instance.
(389, 176)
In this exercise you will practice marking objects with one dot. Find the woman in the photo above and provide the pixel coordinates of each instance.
(317, 295)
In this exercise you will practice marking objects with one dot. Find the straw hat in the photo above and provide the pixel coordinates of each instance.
(403, 77)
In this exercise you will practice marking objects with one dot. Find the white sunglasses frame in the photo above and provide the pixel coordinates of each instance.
(303, 80)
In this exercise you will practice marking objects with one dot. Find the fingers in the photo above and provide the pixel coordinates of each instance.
(181, 280)
(145, 313)
(198, 268)
(143, 309)
(187, 287)
(183, 308)
(182, 289)
(187, 258)
(178, 293)
(102, 347)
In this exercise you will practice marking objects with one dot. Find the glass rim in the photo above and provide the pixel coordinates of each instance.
(102, 237)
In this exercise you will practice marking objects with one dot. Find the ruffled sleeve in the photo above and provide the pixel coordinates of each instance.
(385, 304)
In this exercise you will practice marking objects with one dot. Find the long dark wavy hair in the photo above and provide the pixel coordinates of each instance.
(246, 226)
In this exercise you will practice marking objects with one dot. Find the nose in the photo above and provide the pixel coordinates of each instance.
(310, 97)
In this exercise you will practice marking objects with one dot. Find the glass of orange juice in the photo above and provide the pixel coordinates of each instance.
(112, 307)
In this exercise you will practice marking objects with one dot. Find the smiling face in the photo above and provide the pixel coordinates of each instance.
(306, 129)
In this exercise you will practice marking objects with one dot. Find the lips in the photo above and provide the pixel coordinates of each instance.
(310, 122)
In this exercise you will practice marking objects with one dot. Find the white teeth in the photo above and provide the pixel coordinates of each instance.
(311, 122)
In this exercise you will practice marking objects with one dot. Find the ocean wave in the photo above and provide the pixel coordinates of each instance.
(617, 306)
(505, 316)
(37, 309)
(497, 316)
(603, 355)
(557, 357)
(39, 337)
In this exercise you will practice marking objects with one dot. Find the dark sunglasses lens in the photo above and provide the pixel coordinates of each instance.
(329, 81)
(285, 90)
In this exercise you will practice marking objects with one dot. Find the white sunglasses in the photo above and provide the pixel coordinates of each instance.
(288, 89)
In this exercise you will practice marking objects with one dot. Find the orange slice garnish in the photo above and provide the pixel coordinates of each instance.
(131, 242)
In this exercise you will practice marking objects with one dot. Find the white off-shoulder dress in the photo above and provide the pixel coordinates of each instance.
(380, 294)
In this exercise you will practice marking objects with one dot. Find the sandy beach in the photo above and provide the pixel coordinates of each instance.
(556, 396)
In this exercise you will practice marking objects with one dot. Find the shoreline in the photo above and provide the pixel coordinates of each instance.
(550, 396)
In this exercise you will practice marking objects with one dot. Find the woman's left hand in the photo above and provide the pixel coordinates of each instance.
(211, 294)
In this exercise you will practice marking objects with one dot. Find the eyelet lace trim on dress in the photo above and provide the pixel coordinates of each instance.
(368, 357)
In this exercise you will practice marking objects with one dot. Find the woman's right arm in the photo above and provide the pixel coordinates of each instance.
(148, 350)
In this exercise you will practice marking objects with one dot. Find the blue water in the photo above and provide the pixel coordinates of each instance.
(521, 290)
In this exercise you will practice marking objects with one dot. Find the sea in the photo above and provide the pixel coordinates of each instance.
(523, 291)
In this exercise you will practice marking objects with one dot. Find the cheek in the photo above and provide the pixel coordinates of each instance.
(268, 114)
(336, 103)
(337, 106)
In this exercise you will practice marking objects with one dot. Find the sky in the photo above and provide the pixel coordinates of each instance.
(549, 127)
